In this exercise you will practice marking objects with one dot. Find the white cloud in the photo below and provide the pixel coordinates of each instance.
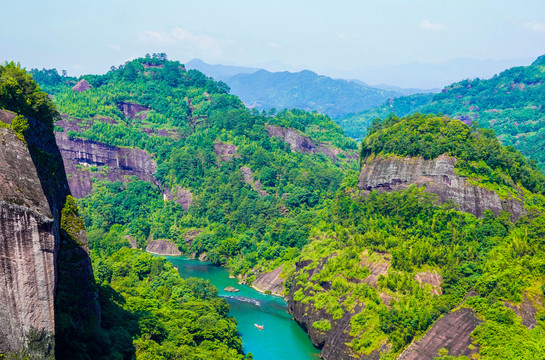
(342, 37)
(181, 37)
(114, 47)
(427, 25)
(535, 26)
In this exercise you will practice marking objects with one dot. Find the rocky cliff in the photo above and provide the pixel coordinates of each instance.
(27, 248)
(333, 342)
(44, 262)
(270, 281)
(438, 175)
(85, 160)
(302, 143)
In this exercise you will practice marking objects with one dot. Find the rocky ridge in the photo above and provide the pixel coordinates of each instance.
(439, 177)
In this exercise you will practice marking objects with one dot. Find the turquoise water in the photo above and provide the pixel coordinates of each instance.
(281, 337)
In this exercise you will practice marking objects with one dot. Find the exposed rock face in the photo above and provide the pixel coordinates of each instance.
(224, 152)
(182, 196)
(163, 247)
(453, 332)
(132, 241)
(191, 235)
(438, 175)
(296, 140)
(132, 110)
(270, 281)
(431, 278)
(248, 177)
(333, 342)
(86, 159)
(7, 116)
(27, 248)
(302, 143)
(81, 86)
(43, 247)
(526, 311)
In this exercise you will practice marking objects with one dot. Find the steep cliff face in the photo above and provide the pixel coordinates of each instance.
(28, 248)
(85, 160)
(44, 261)
(333, 342)
(438, 175)
(132, 110)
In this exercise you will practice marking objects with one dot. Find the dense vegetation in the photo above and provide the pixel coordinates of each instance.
(355, 125)
(147, 310)
(509, 103)
(143, 298)
(479, 152)
(21, 94)
(493, 260)
(309, 211)
(236, 224)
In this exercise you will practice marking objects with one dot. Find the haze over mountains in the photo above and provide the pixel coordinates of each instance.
(264, 90)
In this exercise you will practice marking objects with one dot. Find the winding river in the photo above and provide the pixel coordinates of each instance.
(281, 337)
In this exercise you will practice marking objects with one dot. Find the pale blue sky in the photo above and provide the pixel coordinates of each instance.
(331, 37)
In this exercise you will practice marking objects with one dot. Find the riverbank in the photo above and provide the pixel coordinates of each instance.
(282, 338)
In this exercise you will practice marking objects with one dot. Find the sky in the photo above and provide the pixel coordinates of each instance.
(339, 38)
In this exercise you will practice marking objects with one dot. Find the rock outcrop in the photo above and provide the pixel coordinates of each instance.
(43, 247)
(270, 281)
(394, 173)
(452, 332)
(165, 247)
(304, 144)
(526, 310)
(81, 86)
(248, 177)
(180, 195)
(132, 110)
(85, 160)
(333, 342)
(225, 152)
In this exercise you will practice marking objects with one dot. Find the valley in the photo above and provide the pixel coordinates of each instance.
(423, 240)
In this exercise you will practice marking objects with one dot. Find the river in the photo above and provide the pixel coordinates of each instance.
(281, 337)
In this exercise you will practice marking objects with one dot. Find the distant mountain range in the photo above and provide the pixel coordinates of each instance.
(264, 90)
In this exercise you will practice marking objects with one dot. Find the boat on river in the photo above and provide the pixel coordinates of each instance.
(260, 327)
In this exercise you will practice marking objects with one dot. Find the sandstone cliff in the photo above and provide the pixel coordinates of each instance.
(44, 262)
(333, 342)
(27, 248)
(394, 173)
(85, 160)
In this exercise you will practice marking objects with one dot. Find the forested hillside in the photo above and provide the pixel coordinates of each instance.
(510, 103)
(366, 272)
(395, 265)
